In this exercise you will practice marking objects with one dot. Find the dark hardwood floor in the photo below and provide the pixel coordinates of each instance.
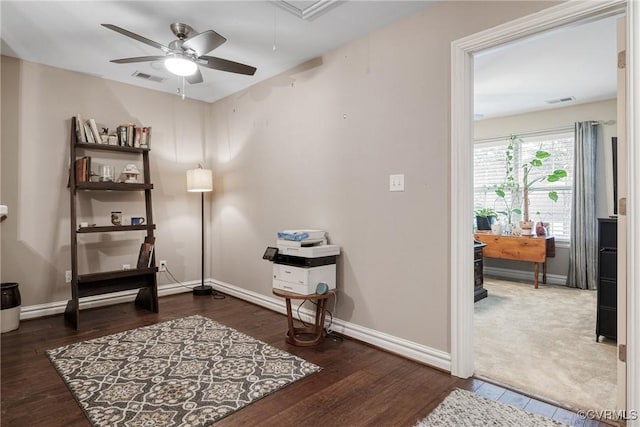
(358, 386)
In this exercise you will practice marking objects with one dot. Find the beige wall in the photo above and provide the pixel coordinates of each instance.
(37, 104)
(557, 118)
(314, 147)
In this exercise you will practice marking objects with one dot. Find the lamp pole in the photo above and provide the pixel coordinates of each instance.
(202, 289)
(202, 239)
(200, 180)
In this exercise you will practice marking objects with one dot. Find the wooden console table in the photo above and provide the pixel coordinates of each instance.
(534, 249)
(308, 335)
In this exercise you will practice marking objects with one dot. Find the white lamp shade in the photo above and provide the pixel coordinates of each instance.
(199, 180)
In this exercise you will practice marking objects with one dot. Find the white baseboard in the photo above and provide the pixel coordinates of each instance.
(399, 346)
(393, 344)
(48, 309)
(520, 275)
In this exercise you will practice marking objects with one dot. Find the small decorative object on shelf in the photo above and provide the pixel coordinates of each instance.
(116, 218)
(137, 220)
(496, 228)
(106, 173)
(130, 174)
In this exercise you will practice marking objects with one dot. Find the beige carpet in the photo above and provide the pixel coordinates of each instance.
(543, 341)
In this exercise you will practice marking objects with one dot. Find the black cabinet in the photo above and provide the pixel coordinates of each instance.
(479, 291)
(607, 318)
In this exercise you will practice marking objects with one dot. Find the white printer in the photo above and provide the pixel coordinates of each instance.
(300, 265)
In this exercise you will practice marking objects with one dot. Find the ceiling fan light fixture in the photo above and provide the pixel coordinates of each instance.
(180, 65)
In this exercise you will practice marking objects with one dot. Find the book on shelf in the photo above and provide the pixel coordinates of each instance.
(137, 135)
(89, 134)
(81, 136)
(122, 135)
(130, 134)
(146, 252)
(83, 169)
(94, 131)
(145, 137)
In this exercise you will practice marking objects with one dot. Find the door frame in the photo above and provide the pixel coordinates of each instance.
(462, 50)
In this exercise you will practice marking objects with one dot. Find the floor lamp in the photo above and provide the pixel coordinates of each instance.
(200, 181)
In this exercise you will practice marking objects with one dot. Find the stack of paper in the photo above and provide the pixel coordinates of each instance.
(301, 238)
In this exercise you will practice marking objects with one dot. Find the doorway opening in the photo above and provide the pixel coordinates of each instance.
(462, 338)
(528, 95)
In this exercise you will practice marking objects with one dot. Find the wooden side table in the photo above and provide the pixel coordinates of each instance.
(308, 335)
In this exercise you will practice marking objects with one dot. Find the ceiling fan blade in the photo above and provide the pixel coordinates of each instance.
(138, 59)
(226, 65)
(204, 42)
(195, 78)
(136, 37)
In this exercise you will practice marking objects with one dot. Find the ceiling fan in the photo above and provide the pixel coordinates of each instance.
(184, 54)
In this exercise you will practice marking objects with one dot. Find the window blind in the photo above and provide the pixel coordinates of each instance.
(490, 171)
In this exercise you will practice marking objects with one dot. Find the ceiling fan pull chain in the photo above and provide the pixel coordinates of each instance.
(183, 94)
(275, 11)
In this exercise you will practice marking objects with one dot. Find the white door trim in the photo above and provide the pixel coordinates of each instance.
(461, 267)
(633, 209)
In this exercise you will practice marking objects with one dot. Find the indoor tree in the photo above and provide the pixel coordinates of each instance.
(529, 179)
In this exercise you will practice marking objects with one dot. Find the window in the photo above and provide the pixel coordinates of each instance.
(490, 170)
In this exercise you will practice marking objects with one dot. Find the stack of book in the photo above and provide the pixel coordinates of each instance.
(132, 136)
(127, 135)
(87, 131)
(83, 169)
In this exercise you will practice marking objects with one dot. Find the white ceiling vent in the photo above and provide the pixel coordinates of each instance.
(150, 77)
(560, 100)
(306, 10)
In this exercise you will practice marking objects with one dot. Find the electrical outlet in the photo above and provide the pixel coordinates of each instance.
(162, 266)
(126, 266)
(67, 276)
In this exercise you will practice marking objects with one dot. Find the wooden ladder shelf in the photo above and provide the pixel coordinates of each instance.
(99, 283)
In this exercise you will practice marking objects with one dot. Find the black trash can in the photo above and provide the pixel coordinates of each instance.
(10, 306)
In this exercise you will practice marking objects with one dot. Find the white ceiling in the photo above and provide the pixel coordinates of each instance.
(68, 35)
(578, 61)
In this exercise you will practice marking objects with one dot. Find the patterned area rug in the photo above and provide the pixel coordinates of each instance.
(466, 409)
(187, 372)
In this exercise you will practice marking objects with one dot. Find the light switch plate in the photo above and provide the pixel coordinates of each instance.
(396, 182)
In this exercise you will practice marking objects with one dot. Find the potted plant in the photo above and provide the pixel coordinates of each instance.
(485, 218)
(529, 179)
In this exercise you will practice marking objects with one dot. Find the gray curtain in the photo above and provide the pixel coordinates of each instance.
(583, 251)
